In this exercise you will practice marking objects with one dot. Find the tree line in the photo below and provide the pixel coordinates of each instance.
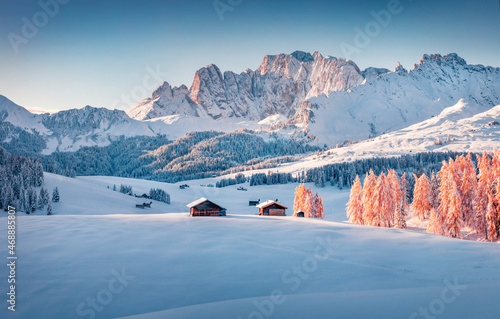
(19, 179)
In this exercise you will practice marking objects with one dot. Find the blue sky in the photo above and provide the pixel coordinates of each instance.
(94, 52)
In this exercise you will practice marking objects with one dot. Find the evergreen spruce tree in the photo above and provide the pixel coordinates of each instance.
(39, 204)
(49, 208)
(22, 201)
(44, 194)
(34, 201)
(55, 195)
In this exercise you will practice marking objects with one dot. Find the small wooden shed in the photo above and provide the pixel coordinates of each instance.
(300, 213)
(253, 202)
(205, 207)
(271, 208)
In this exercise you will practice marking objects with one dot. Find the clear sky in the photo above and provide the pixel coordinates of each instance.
(93, 52)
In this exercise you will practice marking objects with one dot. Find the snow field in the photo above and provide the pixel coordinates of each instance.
(100, 256)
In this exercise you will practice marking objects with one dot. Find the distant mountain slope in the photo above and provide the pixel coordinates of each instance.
(300, 95)
(69, 130)
(395, 100)
(456, 128)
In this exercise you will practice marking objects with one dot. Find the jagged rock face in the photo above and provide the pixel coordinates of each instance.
(164, 101)
(279, 86)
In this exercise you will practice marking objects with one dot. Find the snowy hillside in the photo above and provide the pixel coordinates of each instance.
(168, 265)
(70, 130)
(458, 128)
(20, 117)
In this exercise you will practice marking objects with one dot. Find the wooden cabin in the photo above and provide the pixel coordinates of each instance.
(271, 208)
(300, 213)
(253, 202)
(204, 207)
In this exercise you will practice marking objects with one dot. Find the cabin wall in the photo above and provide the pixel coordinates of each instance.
(205, 212)
(207, 209)
(273, 210)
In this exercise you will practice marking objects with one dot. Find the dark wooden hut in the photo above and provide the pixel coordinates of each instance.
(271, 208)
(205, 207)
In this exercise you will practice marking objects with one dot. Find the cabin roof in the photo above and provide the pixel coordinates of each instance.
(201, 201)
(269, 203)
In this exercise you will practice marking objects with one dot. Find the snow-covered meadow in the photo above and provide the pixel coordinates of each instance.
(100, 257)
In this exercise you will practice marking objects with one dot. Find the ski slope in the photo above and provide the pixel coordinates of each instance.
(240, 266)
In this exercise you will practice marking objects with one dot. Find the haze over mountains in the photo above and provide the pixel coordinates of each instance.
(301, 95)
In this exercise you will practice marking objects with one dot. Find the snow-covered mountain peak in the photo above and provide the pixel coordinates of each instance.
(19, 116)
(372, 72)
(438, 61)
(302, 56)
(165, 100)
(167, 91)
(451, 58)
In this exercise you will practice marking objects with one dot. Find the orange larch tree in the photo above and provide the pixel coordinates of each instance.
(454, 219)
(355, 204)
(421, 204)
(320, 210)
(309, 208)
(368, 189)
(481, 197)
(298, 202)
(380, 200)
(491, 221)
(444, 196)
(468, 191)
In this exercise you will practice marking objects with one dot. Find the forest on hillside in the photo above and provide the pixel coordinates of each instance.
(20, 177)
(196, 155)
